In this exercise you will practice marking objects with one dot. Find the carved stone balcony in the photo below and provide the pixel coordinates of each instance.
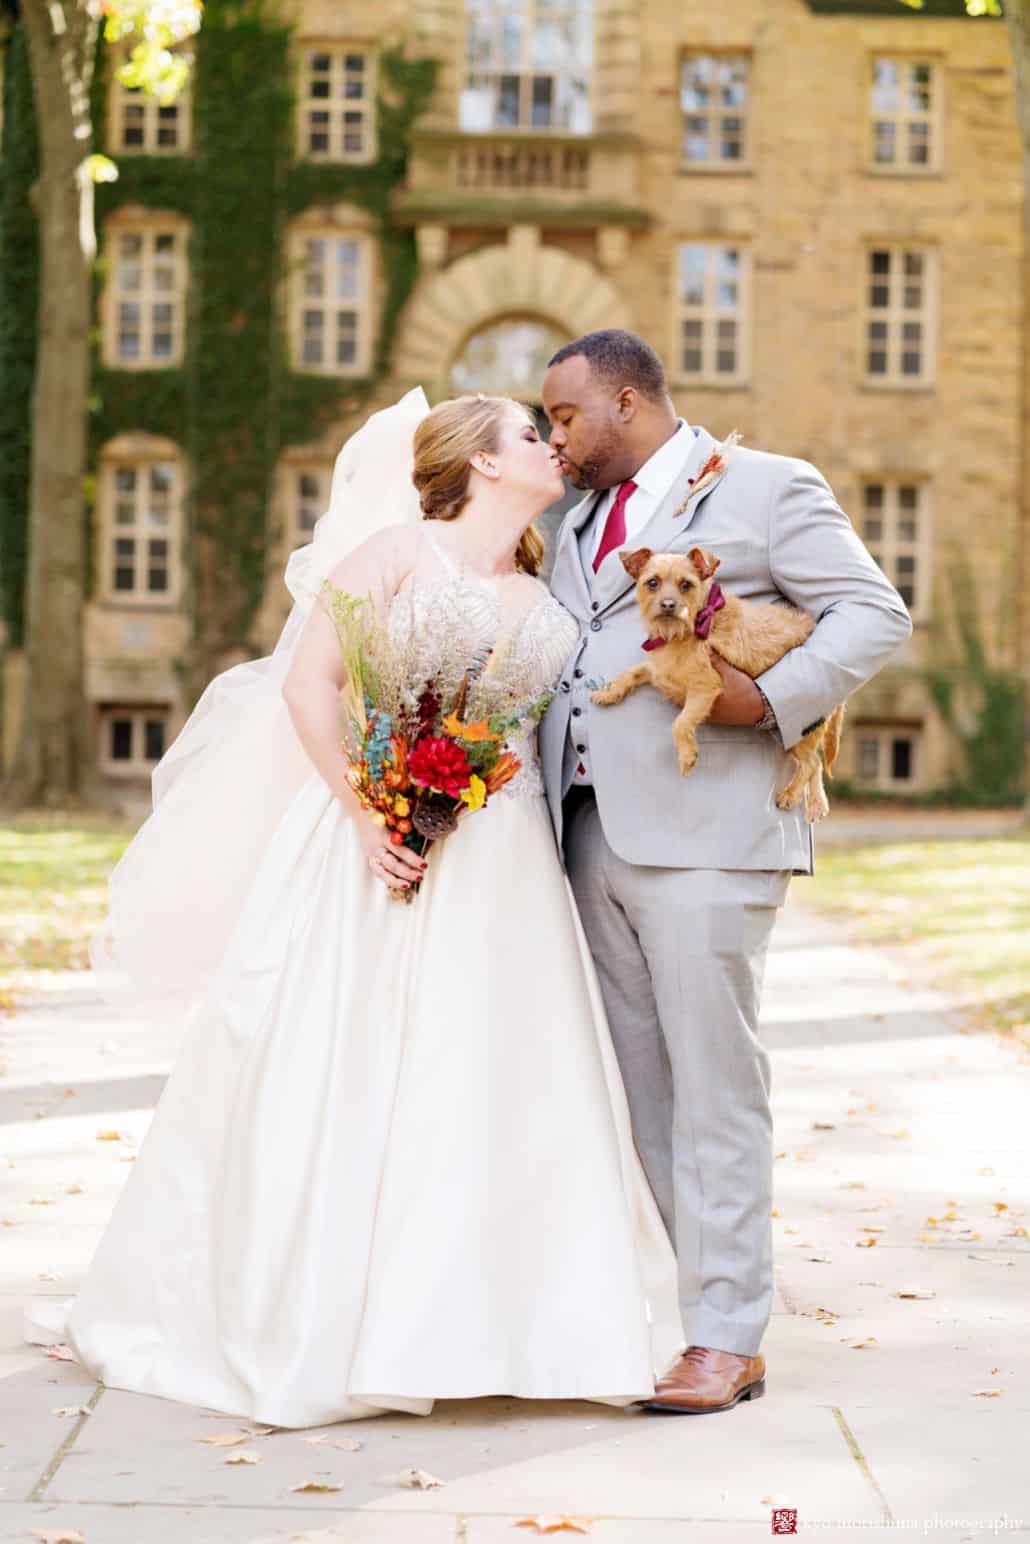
(521, 178)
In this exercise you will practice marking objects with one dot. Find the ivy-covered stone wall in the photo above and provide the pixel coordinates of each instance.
(235, 403)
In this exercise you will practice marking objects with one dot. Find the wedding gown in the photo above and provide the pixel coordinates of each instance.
(393, 1161)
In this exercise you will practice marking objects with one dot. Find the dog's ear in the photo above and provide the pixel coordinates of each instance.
(703, 561)
(635, 562)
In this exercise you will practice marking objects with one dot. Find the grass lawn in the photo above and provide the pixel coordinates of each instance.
(964, 906)
(53, 892)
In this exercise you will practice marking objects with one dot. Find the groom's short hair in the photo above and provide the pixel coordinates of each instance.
(619, 358)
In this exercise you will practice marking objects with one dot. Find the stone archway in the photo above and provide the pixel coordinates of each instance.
(522, 278)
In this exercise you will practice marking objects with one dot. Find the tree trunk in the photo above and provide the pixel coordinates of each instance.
(1017, 13)
(48, 760)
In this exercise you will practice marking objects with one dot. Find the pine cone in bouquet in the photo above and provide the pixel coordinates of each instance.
(435, 818)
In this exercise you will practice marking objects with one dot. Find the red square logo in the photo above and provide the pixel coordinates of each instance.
(785, 1519)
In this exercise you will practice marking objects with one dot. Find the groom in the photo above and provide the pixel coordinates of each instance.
(679, 879)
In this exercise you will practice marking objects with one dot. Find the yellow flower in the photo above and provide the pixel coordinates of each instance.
(475, 794)
(401, 807)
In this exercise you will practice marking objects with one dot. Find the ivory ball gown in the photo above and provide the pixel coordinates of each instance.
(393, 1161)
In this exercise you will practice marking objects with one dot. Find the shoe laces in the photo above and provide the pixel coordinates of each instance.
(696, 1354)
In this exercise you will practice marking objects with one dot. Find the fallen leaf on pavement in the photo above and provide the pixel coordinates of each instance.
(864, 1345)
(866, 1243)
(557, 1524)
(914, 1292)
(415, 1479)
(245, 1457)
(72, 1410)
(41, 1201)
(818, 1259)
(73, 1190)
(1016, 1233)
(1001, 1206)
(871, 1229)
(109, 1136)
(986, 1393)
(823, 1125)
(225, 1438)
(852, 1184)
(59, 1536)
(315, 1485)
(348, 1444)
(61, 1353)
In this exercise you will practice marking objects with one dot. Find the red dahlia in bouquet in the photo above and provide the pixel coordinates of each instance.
(428, 721)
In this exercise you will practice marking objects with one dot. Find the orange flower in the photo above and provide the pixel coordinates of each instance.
(503, 772)
(472, 734)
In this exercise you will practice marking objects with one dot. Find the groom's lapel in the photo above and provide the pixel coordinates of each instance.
(571, 571)
(668, 522)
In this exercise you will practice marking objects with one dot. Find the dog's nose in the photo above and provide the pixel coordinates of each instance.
(669, 605)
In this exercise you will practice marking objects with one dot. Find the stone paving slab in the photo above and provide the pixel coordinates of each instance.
(923, 1121)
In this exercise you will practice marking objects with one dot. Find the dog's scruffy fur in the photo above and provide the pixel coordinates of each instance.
(671, 589)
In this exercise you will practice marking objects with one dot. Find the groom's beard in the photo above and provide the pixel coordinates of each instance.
(592, 472)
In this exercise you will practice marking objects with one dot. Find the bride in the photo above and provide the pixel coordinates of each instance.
(393, 1160)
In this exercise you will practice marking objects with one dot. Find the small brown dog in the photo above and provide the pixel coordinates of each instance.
(687, 615)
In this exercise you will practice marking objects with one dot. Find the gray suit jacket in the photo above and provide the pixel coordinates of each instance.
(779, 532)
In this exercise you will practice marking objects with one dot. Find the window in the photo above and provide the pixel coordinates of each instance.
(307, 496)
(528, 65)
(898, 317)
(887, 756)
(132, 739)
(337, 98)
(141, 523)
(140, 123)
(145, 297)
(895, 529)
(904, 116)
(711, 313)
(330, 303)
(714, 100)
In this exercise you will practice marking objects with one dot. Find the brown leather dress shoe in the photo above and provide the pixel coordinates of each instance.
(704, 1380)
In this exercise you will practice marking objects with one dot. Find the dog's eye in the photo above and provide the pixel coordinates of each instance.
(686, 584)
(652, 584)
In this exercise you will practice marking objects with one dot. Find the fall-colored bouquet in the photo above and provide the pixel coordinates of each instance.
(428, 719)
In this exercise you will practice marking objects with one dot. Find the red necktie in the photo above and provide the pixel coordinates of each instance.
(615, 527)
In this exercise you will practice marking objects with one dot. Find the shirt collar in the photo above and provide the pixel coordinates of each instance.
(658, 474)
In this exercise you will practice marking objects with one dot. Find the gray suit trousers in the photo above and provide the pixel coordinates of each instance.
(680, 954)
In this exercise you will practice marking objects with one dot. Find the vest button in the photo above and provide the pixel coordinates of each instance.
(566, 687)
(595, 626)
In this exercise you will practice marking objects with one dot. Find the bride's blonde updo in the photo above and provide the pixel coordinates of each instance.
(445, 442)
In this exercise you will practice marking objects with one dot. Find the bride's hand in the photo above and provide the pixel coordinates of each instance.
(398, 867)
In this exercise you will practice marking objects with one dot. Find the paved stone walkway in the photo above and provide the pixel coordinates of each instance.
(902, 1168)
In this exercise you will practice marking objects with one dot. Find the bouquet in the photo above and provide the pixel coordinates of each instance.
(428, 719)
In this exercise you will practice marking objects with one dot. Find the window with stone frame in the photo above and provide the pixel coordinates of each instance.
(139, 123)
(330, 323)
(307, 498)
(528, 65)
(141, 531)
(711, 313)
(895, 528)
(899, 316)
(714, 99)
(904, 115)
(336, 108)
(887, 757)
(145, 296)
(132, 738)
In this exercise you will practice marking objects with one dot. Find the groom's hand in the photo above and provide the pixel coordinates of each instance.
(740, 701)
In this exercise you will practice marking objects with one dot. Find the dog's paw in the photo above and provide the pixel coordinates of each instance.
(789, 798)
(817, 806)
(688, 761)
(607, 696)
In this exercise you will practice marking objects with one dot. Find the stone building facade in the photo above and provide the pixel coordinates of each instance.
(813, 210)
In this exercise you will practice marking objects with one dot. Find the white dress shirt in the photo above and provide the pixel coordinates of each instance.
(653, 481)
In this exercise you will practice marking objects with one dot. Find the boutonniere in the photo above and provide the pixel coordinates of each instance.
(712, 469)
